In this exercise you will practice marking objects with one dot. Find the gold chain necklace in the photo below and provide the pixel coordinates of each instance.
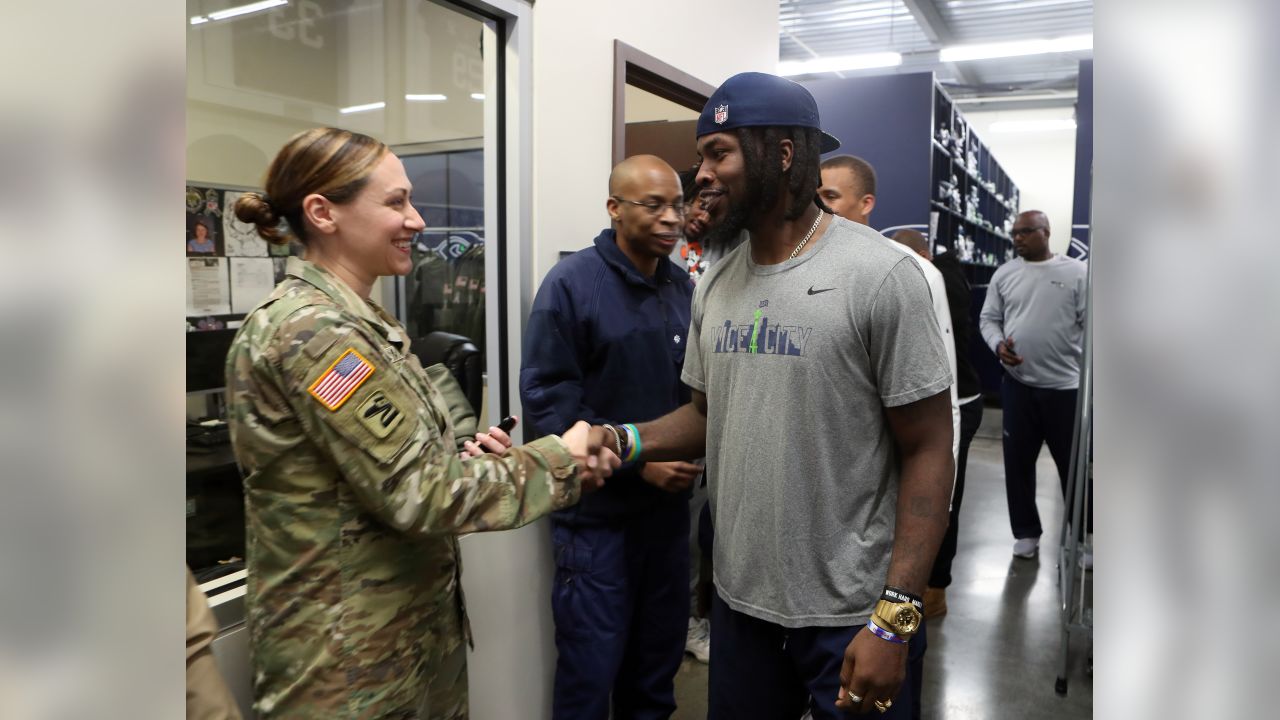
(806, 237)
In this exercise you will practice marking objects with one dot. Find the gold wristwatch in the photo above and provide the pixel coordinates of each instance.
(900, 618)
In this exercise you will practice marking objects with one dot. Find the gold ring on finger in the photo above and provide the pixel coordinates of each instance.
(854, 698)
(883, 705)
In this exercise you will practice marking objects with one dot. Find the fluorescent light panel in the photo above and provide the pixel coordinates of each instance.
(477, 96)
(865, 61)
(430, 97)
(1017, 98)
(246, 9)
(961, 53)
(238, 11)
(1016, 126)
(362, 108)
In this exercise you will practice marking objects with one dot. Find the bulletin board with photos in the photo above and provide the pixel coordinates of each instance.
(230, 268)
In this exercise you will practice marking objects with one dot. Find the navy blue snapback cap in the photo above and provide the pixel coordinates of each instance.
(753, 99)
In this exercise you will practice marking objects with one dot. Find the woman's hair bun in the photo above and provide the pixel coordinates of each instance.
(255, 209)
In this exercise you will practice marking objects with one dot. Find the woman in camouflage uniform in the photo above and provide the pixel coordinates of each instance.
(354, 488)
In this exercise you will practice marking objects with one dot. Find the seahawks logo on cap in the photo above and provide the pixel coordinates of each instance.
(722, 114)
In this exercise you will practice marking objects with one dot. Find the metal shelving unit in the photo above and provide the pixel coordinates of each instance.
(974, 200)
(895, 122)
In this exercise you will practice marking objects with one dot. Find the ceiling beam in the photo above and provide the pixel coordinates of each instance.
(799, 43)
(939, 33)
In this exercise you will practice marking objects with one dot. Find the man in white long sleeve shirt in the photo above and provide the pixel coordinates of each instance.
(1033, 319)
(849, 189)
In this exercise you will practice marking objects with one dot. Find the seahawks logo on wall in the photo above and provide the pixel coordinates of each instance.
(1079, 246)
(457, 245)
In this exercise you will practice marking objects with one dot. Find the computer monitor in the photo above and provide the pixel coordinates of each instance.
(207, 359)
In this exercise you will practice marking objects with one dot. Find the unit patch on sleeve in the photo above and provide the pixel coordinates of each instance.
(343, 377)
(379, 414)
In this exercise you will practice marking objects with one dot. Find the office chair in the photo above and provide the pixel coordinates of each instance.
(460, 356)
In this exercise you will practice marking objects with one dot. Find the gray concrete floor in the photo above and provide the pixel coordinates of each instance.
(995, 654)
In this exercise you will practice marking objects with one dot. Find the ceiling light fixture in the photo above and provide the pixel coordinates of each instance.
(237, 11)
(477, 96)
(865, 61)
(979, 99)
(961, 53)
(429, 97)
(1016, 126)
(362, 108)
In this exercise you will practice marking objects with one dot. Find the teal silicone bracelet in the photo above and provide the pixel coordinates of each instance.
(633, 435)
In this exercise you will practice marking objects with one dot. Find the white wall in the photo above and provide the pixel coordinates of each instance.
(573, 91)
(1041, 163)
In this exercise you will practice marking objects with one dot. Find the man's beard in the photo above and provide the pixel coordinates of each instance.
(763, 188)
(723, 235)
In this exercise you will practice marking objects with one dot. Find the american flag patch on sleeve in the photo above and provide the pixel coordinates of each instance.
(342, 379)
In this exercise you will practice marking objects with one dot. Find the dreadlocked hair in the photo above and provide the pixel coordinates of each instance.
(762, 153)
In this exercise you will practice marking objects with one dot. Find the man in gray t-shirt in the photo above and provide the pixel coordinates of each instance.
(821, 401)
(1033, 320)
(798, 361)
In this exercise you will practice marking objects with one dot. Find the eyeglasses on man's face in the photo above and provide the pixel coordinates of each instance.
(1024, 231)
(654, 207)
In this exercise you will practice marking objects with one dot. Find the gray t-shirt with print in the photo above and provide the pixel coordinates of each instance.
(798, 361)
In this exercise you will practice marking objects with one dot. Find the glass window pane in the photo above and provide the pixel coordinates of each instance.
(411, 73)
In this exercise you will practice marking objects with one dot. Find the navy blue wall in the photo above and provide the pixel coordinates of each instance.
(1084, 152)
(884, 120)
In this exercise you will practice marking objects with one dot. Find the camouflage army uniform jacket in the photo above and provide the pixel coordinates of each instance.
(354, 494)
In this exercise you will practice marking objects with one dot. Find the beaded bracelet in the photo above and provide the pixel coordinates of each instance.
(885, 634)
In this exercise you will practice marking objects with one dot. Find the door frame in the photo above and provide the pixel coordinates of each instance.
(639, 69)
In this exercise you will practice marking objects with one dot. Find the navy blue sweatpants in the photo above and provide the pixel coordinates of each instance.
(763, 671)
(621, 608)
(1033, 417)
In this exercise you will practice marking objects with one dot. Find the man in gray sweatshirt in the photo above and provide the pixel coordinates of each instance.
(1033, 319)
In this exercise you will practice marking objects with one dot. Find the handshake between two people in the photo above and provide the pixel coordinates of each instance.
(589, 445)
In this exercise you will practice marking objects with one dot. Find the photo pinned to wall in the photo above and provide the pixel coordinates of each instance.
(204, 222)
(242, 238)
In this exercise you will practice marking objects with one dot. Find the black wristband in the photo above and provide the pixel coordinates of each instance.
(898, 595)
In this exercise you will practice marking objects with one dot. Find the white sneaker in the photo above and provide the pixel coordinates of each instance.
(698, 643)
(1026, 547)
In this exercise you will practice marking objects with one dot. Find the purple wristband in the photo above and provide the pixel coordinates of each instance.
(885, 634)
